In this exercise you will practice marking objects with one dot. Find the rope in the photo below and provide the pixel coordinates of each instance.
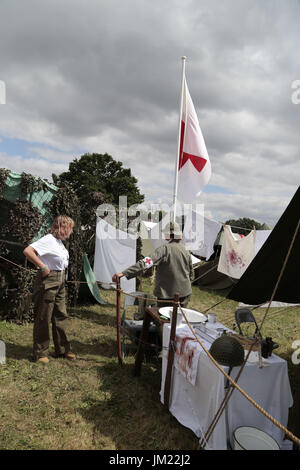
(18, 265)
(202, 275)
(235, 385)
(281, 272)
(146, 298)
(209, 308)
(33, 270)
(230, 391)
(12, 243)
(233, 382)
(224, 402)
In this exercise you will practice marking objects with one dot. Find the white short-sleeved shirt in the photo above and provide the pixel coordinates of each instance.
(52, 252)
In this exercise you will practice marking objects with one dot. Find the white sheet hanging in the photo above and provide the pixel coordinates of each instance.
(156, 234)
(145, 232)
(260, 238)
(236, 254)
(200, 234)
(114, 251)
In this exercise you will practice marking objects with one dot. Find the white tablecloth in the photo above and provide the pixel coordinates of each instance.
(194, 406)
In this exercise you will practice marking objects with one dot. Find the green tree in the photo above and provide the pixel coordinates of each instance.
(100, 173)
(244, 225)
(97, 179)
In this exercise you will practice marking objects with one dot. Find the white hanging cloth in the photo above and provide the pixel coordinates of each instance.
(200, 234)
(145, 232)
(114, 251)
(236, 253)
(260, 238)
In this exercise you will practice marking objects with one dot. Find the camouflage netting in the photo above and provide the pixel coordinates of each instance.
(28, 205)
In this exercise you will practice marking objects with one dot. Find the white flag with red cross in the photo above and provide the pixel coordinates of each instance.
(194, 169)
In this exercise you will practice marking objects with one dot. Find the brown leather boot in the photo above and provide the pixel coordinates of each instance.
(69, 355)
(43, 360)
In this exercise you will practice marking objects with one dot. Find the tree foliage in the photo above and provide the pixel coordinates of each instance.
(244, 225)
(3, 176)
(22, 222)
(97, 179)
(65, 202)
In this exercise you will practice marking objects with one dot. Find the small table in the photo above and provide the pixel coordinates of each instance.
(194, 406)
(151, 314)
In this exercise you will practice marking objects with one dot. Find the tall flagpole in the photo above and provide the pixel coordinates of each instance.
(178, 143)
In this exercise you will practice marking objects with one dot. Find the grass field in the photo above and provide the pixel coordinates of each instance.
(93, 402)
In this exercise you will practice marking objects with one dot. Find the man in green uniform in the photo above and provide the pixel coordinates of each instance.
(174, 269)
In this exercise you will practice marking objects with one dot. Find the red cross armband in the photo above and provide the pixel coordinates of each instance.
(148, 262)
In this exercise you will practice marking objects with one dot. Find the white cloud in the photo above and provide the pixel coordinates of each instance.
(52, 155)
(36, 166)
(105, 77)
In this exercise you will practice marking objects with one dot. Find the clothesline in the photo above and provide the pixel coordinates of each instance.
(12, 243)
(234, 226)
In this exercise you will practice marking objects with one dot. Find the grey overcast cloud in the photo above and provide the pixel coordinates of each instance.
(105, 76)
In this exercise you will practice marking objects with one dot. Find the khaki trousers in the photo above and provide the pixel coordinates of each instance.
(50, 304)
(182, 300)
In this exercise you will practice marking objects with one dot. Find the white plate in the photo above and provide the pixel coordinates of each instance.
(193, 316)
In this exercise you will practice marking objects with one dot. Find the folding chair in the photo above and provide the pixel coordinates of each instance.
(131, 328)
(244, 315)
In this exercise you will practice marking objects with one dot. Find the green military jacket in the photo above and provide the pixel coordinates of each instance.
(174, 271)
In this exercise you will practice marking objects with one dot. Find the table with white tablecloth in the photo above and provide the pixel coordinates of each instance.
(195, 406)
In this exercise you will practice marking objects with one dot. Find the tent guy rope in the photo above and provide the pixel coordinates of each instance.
(236, 386)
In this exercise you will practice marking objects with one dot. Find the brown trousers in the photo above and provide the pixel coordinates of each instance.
(49, 304)
(182, 300)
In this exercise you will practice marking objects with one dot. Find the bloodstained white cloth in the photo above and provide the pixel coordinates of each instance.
(187, 355)
(195, 406)
(114, 252)
(236, 254)
(194, 168)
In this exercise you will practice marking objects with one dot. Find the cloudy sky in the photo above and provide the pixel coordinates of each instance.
(105, 75)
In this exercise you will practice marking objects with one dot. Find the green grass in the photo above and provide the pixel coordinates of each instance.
(93, 402)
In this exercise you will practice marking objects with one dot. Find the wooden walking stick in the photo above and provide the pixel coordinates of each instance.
(119, 322)
(171, 353)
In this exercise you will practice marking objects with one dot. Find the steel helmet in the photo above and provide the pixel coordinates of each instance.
(227, 351)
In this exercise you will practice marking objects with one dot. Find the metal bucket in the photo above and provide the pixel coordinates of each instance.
(250, 438)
